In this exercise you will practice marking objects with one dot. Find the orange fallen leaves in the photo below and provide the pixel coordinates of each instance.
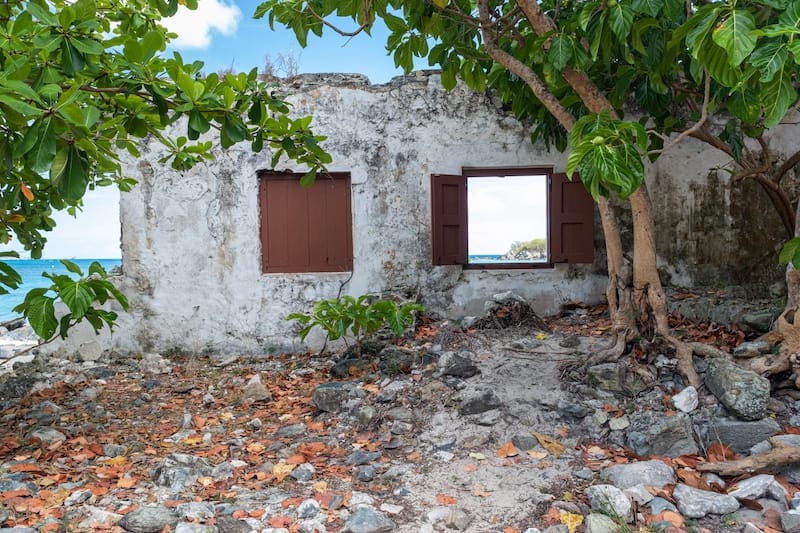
(470, 467)
(719, 452)
(444, 499)
(507, 450)
(668, 516)
(549, 443)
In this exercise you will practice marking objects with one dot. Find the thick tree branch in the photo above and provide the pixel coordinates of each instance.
(525, 73)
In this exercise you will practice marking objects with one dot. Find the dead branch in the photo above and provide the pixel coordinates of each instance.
(367, 12)
(780, 454)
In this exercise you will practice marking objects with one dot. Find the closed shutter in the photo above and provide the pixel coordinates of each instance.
(571, 221)
(306, 229)
(449, 219)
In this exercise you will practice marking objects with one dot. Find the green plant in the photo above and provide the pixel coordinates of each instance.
(359, 317)
(78, 295)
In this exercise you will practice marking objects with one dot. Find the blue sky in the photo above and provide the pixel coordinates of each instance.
(223, 34)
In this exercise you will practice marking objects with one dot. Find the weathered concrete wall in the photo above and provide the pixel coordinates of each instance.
(191, 249)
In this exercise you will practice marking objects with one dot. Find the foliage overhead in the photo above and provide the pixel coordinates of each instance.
(720, 71)
(83, 81)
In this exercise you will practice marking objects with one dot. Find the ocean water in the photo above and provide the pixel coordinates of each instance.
(31, 271)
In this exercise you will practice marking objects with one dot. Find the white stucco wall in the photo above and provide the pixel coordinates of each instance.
(190, 241)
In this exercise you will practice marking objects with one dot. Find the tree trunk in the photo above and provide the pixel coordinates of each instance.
(792, 274)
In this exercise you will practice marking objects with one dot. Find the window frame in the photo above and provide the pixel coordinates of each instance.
(324, 207)
(558, 188)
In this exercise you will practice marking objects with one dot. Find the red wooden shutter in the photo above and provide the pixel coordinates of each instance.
(306, 229)
(571, 221)
(449, 219)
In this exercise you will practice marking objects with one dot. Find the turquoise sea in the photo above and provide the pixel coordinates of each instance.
(31, 271)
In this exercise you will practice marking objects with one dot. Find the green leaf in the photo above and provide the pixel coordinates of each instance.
(561, 51)
(41, 315)
(736, 35)
(790, 253)
(72, 267)
(648, 7)
(769, 57)
(620, 19)
(41, 154)
(19, 106)
(778, 96)
(77, 297)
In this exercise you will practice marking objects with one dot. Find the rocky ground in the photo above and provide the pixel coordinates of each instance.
(495, 427)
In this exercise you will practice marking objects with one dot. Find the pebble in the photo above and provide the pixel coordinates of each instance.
(308, 509)
(365, 473)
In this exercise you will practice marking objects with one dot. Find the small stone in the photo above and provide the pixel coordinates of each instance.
(639, 494)
(651, 473)
(255, 391)
(696, 503)
(360, 498)
(76, 498)
(400, 428)
(330, 397)
(658, 505)
(584, 473)
(99, 519)
(368, 520)
(489, 418)
(47, 435)
(460, 367)
(619, 423)
(599, 417)
(114, 450)
(308, 508)
(790, 521)
(752, 488)
(600, 523)
(458, 519)
(743, 392)
(292, 430)
(148, 520)
(610, 500)
(365, 473)
(391, 508)
(389, 392)
(752, 348)
(479, 401)
(208, 400)
(360, 457)
(366, 415)
(570, 341)
(309, 526)
(524, 442)
(304, 472)
(443, 456)
(195, 511)
(400, 413)
(254, 424)
(686, 400)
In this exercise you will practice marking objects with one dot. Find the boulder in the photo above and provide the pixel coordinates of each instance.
(743, 392)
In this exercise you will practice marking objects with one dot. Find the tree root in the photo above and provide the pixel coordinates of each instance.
(611, 353)
(684, 352)
(781, 454)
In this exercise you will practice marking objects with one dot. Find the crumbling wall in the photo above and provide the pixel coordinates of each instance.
(191, 247)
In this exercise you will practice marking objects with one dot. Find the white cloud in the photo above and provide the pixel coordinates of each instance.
(194, 27)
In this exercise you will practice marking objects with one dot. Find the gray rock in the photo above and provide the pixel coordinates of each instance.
(458, 519)
(752, 488)
(479, 401)
(752, 348)
(743, 392)
(368, 520)
(255, 391)
(180, 471)
(524, 442)
(686, 400)
(652, 433)
(304, 472)
(76, 498)
(570, 341)
(740, 435)
(696, 503)
(761, 321)
(360, 457)
(461, 367)
(389, 392)
(610, 500)
(114, 450)
(400, 413)
(400, 428)
(47, 435)
(308, 508)
(309, 526)
(574, 410)
(190, 527)
(639, 494)
(195, 511)
(585, 474)
(148, 520)
(650, 473)
(329, 397)
(608, 377)
(365, 473)
(99, 518)
(658, 504)
(366, 415)
(254, 424)
(292, 430)
(394, 360)
(619, 423)
(600, 523)
(790, 521)
(153, 363)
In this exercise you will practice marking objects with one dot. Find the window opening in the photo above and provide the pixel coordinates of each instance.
(507, 219)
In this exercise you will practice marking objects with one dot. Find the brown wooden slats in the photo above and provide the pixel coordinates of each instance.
(449, 219)
(306, 229)
(571, 221)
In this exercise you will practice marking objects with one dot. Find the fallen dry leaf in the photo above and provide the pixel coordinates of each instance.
(281, 470)
(510, 530)
(533, 454)
(470, 467)
(719, 452)
(571, 520)
(477, 456)
(444, 499)
(549, 443)
(507, 450)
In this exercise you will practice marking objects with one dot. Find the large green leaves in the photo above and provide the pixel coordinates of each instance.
(736, 34)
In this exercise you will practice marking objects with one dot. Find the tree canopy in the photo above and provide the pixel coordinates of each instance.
(82, 82)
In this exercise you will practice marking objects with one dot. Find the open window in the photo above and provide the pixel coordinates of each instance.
(305, 229)
(511, 218)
